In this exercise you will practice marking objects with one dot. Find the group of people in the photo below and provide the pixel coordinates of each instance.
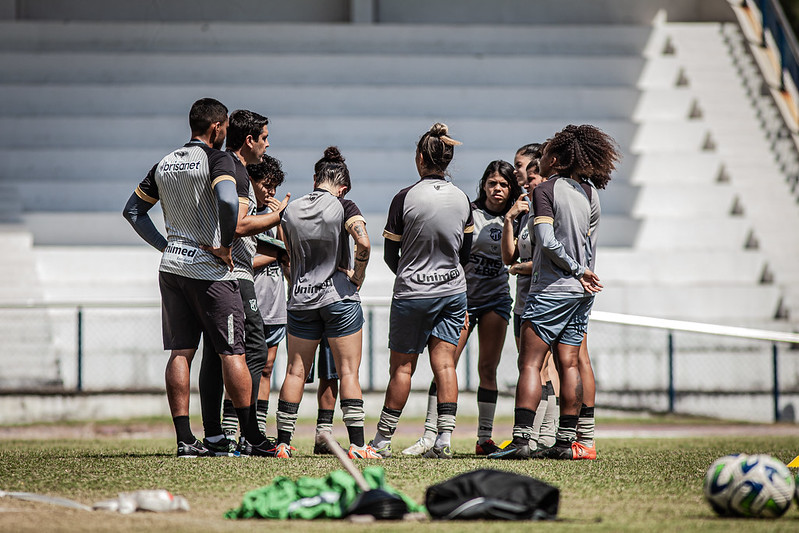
(230, 242)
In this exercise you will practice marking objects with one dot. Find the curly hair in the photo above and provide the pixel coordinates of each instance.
(586, 152)
(331, 168)
(269, 170)
(505, 170)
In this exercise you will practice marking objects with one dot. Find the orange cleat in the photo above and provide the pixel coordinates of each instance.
(580, 451)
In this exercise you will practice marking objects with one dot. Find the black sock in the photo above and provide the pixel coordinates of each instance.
(249, 426)
(567, 431)
(183, 429)
(522, 425)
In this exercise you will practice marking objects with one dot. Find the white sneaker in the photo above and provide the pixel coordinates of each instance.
(419, 448)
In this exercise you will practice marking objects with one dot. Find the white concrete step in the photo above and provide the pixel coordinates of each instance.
(386, 39)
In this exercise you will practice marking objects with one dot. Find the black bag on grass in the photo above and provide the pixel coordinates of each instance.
(492, 495)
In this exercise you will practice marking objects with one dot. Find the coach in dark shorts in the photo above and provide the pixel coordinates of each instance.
(199, 291)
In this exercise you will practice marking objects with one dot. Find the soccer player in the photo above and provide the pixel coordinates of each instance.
(428, 237)
(578, 160)
(324, 299)
(196, 187)
(488, 302)
(246, 143)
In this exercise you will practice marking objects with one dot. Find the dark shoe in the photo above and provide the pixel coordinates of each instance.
(320, 448)
(195, 449)
(445, 452)
(513, 451)
(222, 448)
(555, 452)
(486, 448)
(265, 449)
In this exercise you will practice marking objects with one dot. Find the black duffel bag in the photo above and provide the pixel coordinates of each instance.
(492, 495)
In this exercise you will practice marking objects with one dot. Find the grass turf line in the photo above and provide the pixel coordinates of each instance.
(636, 484)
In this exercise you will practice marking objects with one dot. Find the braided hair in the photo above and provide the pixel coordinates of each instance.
(584, 152)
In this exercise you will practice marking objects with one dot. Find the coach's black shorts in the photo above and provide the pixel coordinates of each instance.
(191, 306)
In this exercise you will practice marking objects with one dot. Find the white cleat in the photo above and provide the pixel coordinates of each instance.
(419, 448)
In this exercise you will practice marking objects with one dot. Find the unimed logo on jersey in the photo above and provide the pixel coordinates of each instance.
(181, 253)
(436, 277)
(310, 289)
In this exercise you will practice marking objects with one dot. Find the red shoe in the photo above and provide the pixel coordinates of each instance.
(486, 448)
(580, 451)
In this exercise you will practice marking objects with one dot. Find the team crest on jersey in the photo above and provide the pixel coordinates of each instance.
(254, 304)
(495, 234)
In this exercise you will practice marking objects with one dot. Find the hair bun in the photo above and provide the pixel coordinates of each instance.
(332, 154)
(438, 129)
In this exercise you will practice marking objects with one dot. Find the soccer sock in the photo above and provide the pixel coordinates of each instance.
(431, 422)
(486, 407)
(248, 424)
(324, 420)
(567, 431)
(352, 413)
(549, 425)
(541, 410)
(183, 429)
(230, 423)
(286, 420)
(389, 418)
(261, 408)
(522, 425)
(446, 423)
(585, 426)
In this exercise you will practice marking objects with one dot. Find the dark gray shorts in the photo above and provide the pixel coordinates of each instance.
(338, 319)
(274, 333)
(413, 321)
(191, 306)
(558, 319)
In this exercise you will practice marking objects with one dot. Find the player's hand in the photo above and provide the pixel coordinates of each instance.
(590, 282)
(521, 205)
(277, 206)
(222, 253)
(351, 276)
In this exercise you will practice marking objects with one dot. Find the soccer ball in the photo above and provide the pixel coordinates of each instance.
(763, 487)
(720, 479)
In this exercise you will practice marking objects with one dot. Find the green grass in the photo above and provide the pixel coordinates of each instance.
(636, 484)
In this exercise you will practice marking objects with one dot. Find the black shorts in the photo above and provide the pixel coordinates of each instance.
(191, 306)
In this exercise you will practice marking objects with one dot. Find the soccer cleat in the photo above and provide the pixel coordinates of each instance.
(420, 447)
(445, 452)
(385, 451)
(486, 448)
(363, 452)
(513, 451)
(195, 449)
(320, 448)
(222, 448)
(265, 449)
(580, 451)
(556, 452)
(283, 451)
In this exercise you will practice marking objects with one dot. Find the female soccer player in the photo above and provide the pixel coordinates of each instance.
(428, 237)
(324, 297)
(578, 160)
(488, 301)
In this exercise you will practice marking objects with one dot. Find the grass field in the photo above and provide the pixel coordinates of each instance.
(648, 484)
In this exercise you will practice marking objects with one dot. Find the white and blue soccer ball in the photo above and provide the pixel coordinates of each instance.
(750, 486)
(720, 479)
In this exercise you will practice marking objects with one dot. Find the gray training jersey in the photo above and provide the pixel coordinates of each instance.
(183, 181)
(524, 242)
(315, 227)
(573, 210)
(486, 274)
(429, 220)
(243, 249)
(270, 289)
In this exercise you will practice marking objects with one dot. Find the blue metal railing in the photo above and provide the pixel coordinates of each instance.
(775, 22)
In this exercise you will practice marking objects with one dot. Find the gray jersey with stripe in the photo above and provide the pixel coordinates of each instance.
(270, 289)
(429, 220)
(573, 209)
(243, 249)
(486, 274)
(315, 228)
(524, 243)
(183, 182)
